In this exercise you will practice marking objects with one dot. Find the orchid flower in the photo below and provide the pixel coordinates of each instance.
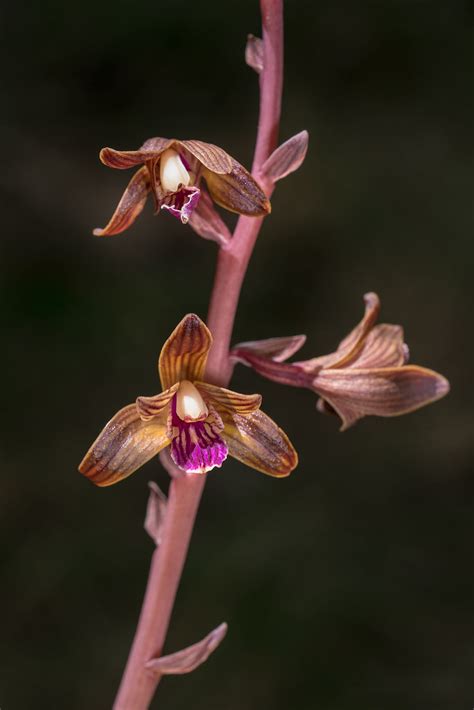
(367, 374)
(200, 422)
(172, 171)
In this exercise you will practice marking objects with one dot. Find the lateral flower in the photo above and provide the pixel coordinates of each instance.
(367, 375)
(200, 422)
(172, 171)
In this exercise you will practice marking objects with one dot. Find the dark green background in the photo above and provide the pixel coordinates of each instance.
(348, 586)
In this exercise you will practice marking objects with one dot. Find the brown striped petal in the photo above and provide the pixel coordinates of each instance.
(125, 444)
(383, 347)
(258, 442)
(226, 399)
(277, 349)
(123, 159)
(383, 392)
(189, 658)
(254, 53)
(372, 310)
(287, 158)
(206, 221)
(149, 407)
(348, 347)
(237, 191)
(184, 354)
(211, 156)
(130, 206)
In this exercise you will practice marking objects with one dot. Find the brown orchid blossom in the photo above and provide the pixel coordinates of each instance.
(200, 422)
(171, 172)
(367, 375)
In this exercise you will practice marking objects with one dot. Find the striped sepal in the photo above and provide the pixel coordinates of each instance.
(184, 354)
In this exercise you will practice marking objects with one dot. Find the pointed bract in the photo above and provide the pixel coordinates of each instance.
(254, 53)
(287, 158)
(189, 658)
(155, 512)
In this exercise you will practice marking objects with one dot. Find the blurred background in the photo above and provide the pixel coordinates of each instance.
(349, 585)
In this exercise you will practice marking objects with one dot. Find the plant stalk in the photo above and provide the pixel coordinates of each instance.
(138, 685)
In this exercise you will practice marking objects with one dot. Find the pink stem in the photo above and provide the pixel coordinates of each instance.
(138, 685)
(232, 262)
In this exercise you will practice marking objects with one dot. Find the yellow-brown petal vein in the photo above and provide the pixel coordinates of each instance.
(258, 442)
(226, 399)
(237, 191)
(149, 407)
(210, 155)
(130, 206)
(123, 159)
(184, 354)
(125, 444)
(383, 392)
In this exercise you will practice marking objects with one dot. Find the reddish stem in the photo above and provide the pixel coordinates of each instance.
(232, 262)
(138, 685)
